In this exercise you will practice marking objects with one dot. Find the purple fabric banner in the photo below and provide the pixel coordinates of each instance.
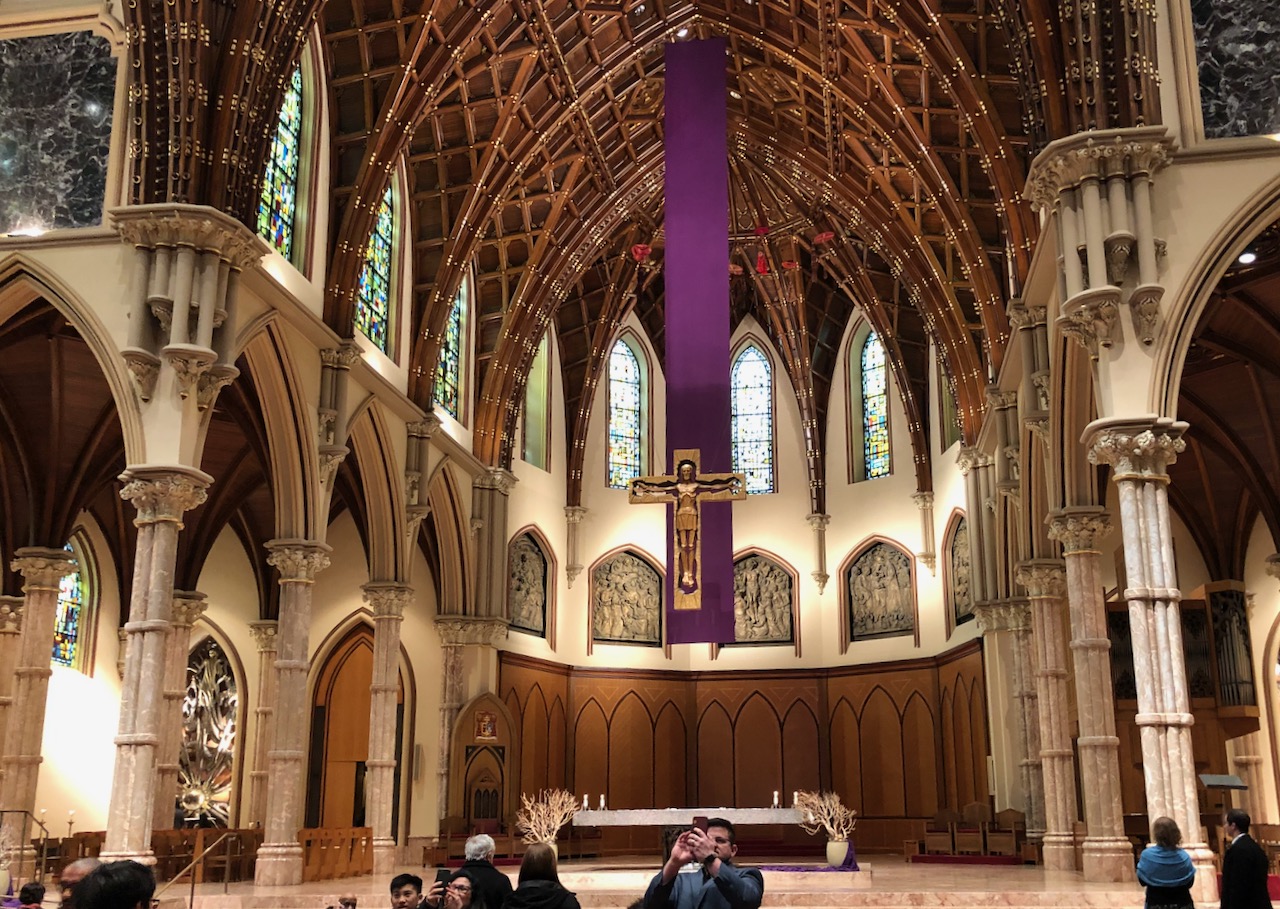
(696, 273)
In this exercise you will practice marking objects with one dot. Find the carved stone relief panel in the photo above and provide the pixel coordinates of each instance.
(626, 601)
(210, 719)
(958, 574)
(881, 594)
(763, 598)
(527, 585)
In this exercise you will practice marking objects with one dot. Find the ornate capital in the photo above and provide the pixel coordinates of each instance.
(496, 478)
(424, 428)
(343, 357)
(11, 614)
(1093, 155)
(1079, 529)
(1136, 448)
(1091, 316)
(200, 227)
(386, 599)
(164, 493)
(265, 635)
(1006, 615)
(1000, 399)
(923, 500)
(331, 458)
(818, 522)
(298, 561)
(1043, 578)
(1019, 317)
(573, 514)
(42, 569)
(188, 606)
(972, 458)
(457, 630)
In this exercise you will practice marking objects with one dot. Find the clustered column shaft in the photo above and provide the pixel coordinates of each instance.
(265, 636)
(188, 607)
(387, 602)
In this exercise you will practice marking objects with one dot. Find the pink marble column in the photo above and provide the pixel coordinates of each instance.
(280, 856)
(10, 643)
(264, 635)
(188, 606)
(42, 571)
(1139, 452)
(1045, 581)
(387, 602)
(161, 496)
(1108, 855)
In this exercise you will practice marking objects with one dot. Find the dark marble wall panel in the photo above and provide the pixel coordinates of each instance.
(1238, 52)
(56, 99)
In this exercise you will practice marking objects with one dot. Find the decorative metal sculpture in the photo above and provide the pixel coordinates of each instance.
(210, 713)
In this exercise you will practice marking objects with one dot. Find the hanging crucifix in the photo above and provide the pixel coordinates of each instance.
(687, 489)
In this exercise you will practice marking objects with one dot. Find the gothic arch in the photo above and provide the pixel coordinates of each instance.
(847, 630)
(447, 541)
(383, 492)
(485, 762)
(205, 629)
(544, 545)
(791, 572)
(955, 596)
(649, 561)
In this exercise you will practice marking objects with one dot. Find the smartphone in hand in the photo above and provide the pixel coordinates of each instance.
(701, 823)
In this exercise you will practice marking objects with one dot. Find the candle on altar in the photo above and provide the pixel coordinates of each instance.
(584, 801)
(602, 801)
(775, 798)
(795, 797)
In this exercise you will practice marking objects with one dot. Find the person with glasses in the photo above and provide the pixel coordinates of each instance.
(457, 894)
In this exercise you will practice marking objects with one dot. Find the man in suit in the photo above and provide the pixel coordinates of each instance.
(1244, 867)
(716, 884)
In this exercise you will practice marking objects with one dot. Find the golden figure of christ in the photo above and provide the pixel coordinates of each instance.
(687, 488)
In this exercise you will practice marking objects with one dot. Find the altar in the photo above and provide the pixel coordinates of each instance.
(682, 817)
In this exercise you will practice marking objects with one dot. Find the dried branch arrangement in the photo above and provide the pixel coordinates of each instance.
(825, 811)
(540, 818)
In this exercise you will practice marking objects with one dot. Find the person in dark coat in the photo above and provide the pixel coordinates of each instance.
(539, 885)
(718, 884)
(1244, 867)
(1165, 868)
(492, 886)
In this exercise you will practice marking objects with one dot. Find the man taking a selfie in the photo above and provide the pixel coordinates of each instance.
(716, 884)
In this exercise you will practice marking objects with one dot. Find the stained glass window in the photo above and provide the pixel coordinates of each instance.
(536, 395)
(277, 206)
(449, 370)
(373, 303)
(625, 409)
(751, 381)
(875, 409)
(71, 608)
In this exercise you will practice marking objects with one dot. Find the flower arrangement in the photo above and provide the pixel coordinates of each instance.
(540, 818)
(825, 811)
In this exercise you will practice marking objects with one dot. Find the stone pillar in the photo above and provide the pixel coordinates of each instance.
(1139, 451)
(10, 644)
(280, 856)
(387, 602)
(1045, 581)
(264, 635)
(457, 634)
(1247, 762)
(819, 523)
(42, 571)
(188, 606)
(1014, 618)
(573, 515)
(161, 496)
(490, 494)
(976, 466)
(1108, 855)
(928, 553)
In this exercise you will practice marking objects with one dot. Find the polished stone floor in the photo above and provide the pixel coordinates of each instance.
(887, 882)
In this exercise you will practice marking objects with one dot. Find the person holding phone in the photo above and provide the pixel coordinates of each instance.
(451, 891)
(406, 891)
(714, 882)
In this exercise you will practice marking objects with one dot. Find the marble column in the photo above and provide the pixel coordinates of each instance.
(280, 856)
(1247, 762)
(387, 603)
(1045, 582)
(1139, 452)
(42, 570)
(264, 635)
(161, 496)
(1108, 855)
(10, 643)
(1014, 618)
(188, 607)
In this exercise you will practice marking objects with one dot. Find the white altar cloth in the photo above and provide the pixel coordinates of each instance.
(676, 817)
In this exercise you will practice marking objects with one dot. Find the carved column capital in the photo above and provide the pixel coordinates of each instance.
(970, 459)
(573, 514)
(424, 428)
(458, 630)
(1079, 529)
(11, 614)
(298, 561)
(1043, 578)
(1000, 400)
(164, 493)
(265, 634)
(197, 226)
(387, 599)
(496, 478)
(1005, 615)
(923, 500)
(818, 522)
(343, 357)
(1066, 163)
(188, 607)
(43, 569)
(1136, 448)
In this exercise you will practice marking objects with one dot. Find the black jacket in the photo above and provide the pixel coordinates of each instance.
(1244, 875)
(492, 887)
(542, 895)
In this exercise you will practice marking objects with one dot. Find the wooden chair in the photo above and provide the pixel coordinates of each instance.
(1268, 837)
(1005, 835)
(453, 830)
(939, 833)
(971, 832)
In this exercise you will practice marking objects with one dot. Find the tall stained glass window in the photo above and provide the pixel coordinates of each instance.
(626, 404)
(449, 371)
(373, 301)
(875, 408)
(537, 394)
(751, 381)
(71, 609)
(277, 206)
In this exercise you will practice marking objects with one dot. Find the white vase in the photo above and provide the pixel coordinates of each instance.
(4, 881)
(836, 852)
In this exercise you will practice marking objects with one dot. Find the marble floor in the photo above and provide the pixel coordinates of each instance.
(887, 882)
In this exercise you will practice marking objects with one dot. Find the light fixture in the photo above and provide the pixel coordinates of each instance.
(1248, 257)
(683, 33)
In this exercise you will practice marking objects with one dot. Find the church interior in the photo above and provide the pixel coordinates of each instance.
(333, 333)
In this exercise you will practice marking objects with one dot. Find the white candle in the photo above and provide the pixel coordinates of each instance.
(775, 798)
(795, 796)
(602, 801)
(584, 801)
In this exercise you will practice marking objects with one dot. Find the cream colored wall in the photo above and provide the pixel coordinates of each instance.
(1264, 634)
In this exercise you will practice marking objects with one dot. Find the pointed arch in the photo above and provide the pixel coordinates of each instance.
(957, 571)
(869, 395)
(538, 539)
(383, 493)
(446, 539)
(752, 416)
(629, 401)
(670, 760)
(878, 592)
